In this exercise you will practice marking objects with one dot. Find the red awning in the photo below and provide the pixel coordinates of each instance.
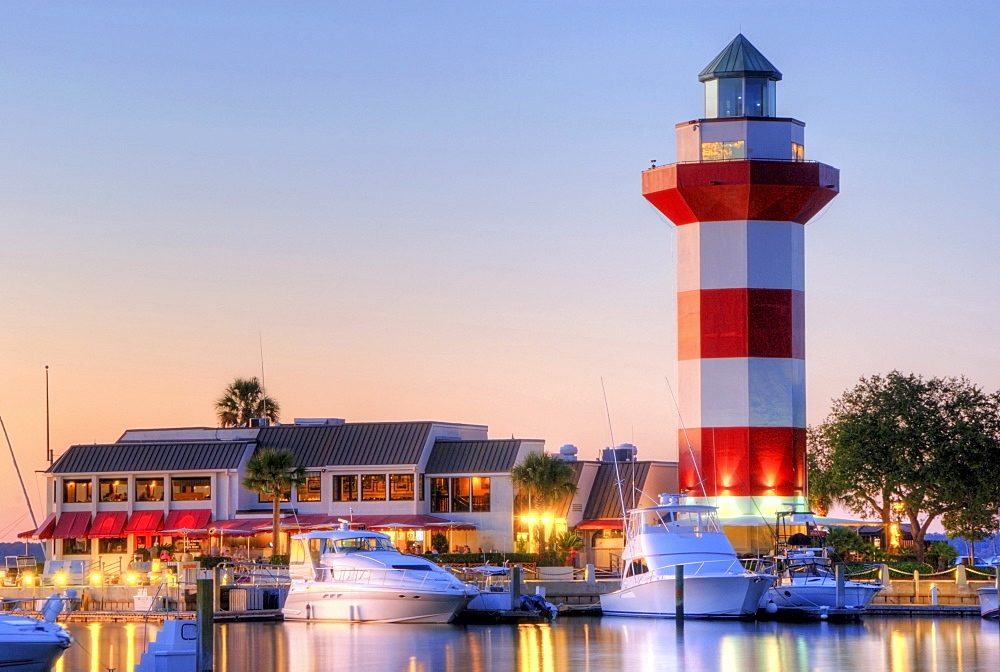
(72, 525)
(241, 527)
(302, 521)
(108, 525)
(187, 521)
(600, 524)
(43, 531)
(145, 522)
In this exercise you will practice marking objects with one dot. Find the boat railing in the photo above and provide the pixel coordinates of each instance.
(691, 569)
(389, 577)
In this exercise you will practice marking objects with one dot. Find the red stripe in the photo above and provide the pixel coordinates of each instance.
(786, 191)
(743, 461)
(713, 323)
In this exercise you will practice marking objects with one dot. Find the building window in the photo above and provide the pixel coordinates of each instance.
(798, 152)
(149, 489)
(77, 492)
(113, 489)
(723, 151)
(401, 487)
(460, 494)
(373, 487)
(76, 546)
(480, 494)
(114, 545)
(421, 487)
(345, 488)
(440, 502)
(309, 491)
(285, 496)
(187, 489)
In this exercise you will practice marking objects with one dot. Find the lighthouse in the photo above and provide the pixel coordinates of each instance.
(740, 193)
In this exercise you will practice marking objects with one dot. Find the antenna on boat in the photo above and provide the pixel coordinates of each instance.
(614, 452)
(680, 420)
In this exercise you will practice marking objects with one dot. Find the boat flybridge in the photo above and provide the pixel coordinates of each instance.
(661, 538)
(359, 576)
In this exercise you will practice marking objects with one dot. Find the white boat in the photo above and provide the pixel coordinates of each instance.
(661, 538)
(989, 607)
(807, 586)
(498, 601)
(358, 576)
(30, 644)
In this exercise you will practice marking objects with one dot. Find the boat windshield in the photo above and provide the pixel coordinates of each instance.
(681, 521)
(352, 544)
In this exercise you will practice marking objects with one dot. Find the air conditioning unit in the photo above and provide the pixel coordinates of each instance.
(259, 422)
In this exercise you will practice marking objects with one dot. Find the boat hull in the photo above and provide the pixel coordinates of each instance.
(718, 596)
(989, 606)
(29, 645)
(332, 602)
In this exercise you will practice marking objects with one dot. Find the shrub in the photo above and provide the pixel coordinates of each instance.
(439, 542)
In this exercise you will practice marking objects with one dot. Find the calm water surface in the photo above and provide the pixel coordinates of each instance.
(577, 644)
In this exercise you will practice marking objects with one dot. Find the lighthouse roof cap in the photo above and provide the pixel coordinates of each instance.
(739, 59)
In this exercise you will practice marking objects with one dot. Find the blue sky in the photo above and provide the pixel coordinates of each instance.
(431, 210)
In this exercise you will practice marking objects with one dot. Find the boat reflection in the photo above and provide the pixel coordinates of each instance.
(579, 644)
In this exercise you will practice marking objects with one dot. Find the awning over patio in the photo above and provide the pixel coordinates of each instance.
(600, 524)
(145, 522)
(72, 525)
(237, 527)
(189, 522)
(43, 531)
(108, 525)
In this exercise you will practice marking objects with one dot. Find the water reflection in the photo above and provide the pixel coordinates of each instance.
(580, 644)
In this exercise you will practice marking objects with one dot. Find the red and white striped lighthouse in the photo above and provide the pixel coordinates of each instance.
(739, 194)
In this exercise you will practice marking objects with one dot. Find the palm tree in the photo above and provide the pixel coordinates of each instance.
(543, 479)
(272, 472)
(245, 399)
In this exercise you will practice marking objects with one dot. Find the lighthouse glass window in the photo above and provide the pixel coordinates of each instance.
(723, 151)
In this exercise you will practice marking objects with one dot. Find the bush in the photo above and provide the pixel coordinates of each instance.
(439, 542)
(211, 561)
(279, 560)
(910, 567)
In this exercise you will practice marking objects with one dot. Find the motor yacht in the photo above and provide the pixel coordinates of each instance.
(660, 539)
(989, 606)
(33, 645)
(358, 576)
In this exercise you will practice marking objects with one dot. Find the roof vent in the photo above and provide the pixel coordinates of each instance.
(260, 422)
(568, 452)
(318, 422)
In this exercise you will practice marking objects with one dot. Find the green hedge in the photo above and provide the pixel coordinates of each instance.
(546, 559)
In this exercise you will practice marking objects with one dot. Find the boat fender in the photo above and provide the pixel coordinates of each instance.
(771, 607)
(53, 607)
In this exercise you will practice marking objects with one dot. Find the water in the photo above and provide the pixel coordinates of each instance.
(577, 644)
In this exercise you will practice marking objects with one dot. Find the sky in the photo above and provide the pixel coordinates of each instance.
(432, 210)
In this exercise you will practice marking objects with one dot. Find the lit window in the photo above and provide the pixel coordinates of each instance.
(480, 494)
(309, 491)
(401, 487)
(798, 152)
(113, 490)
(440, 502)
(190, 489)
(373, 487)
(460, 495)
(149, 489)
(77, 492)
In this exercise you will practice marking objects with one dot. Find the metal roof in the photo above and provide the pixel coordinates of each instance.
(604, 500)
(141, 457)
(739, 59)
(364, 443)
(479, 457)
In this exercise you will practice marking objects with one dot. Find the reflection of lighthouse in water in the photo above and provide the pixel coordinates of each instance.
(739, 194)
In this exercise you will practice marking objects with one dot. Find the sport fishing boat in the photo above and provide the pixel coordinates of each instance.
(358, 576)
(807, 587)
(660, 539)
(33, 645)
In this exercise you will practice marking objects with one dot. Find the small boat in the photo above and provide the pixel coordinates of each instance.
(33, 645)
(499, 601)
(358, 576)
(660, 539)
(989, 607)
(175, 648)
(807, 587)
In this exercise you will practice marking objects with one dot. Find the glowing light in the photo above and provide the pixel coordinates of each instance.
(132, 579)
(61, 578)
(95, 579)
(28, 580)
